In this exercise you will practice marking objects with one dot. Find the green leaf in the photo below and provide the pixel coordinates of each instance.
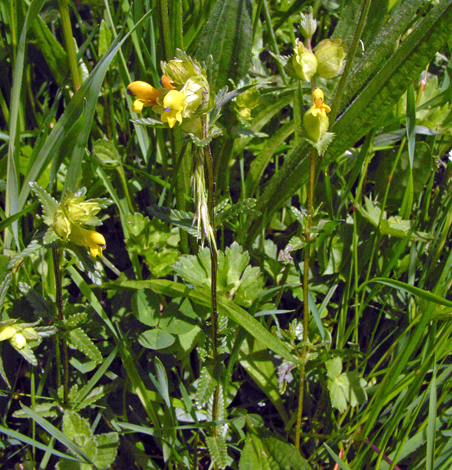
(105, 38)
(242, 282)
(146, 307)
(183, 220)
(2, 371)
(76, 428)
(51, 49)
(270, 453)
(207, 382)
(226, 37)
(49, 204)
(156, 339)
(107, 153)
(107, 448)
(82, 342)
(345, 387)
(217, 449)
(202, 297)
(256, 360)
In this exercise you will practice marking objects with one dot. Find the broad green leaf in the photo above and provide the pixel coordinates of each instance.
(227, 38)
(346, 388)
(146, 307)
(270, 453)
(234, 276)
(256, 360)
(51, 49)
(107, 448)
(156, 339)
(75, 427)
(202, 297)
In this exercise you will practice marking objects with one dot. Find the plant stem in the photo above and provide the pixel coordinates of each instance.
(211, 185)
(307, 254)
(59, 302)
(69, 42)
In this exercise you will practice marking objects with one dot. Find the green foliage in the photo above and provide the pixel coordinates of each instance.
(312, 326)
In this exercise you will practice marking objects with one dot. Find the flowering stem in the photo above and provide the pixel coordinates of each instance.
(307, 254)
(213, 263)
(59, 302)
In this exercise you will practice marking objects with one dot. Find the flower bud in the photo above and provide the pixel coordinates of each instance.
(179, 71)
(308, 24)
(18, 341)
(249, 98)
(304, 62)
(315, 120)
(330, 55)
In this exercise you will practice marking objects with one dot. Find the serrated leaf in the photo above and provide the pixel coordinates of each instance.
(4, 289)
(27, 353)
(76, 428)
(233, 211)
(195, 269)
(146, 307)
(107, 448)
(2, 371)
(149, 122)
(345, 387)
(183, 220)
(218, 450)
(213, 132)
(34, 245)
(48, 203)
(78, 339)
(46, 410)
(206, 385)
(107, 153)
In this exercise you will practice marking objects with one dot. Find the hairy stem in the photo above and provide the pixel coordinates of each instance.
(307, 254)
(59, 302)
(211, 185)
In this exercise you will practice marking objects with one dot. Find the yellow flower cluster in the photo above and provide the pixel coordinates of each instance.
(184, 93)
(73, 212)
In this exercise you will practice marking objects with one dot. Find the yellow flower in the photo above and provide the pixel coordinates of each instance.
(319, 107)
(315, 120)
(173, 105)
(145, 94)
(93, 240)
(18, 341)
(7, 332)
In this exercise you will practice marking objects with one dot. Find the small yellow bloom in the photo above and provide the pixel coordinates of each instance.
(315, 120)
(318, 105)
(7, 332)
(18, 341)
(145, 94)
(93, 240)
(173, 105)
